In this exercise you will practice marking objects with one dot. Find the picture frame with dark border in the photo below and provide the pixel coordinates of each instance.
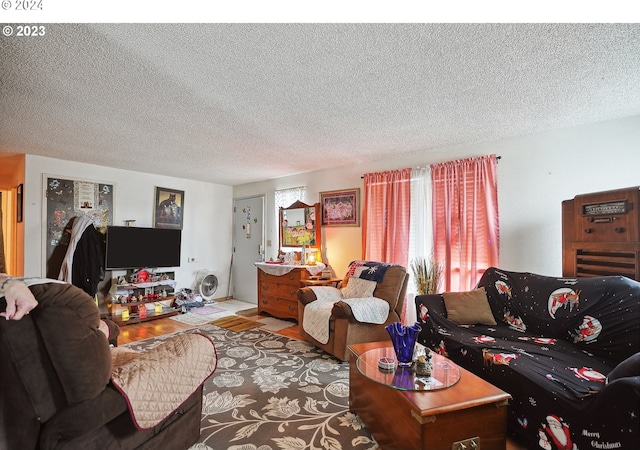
(340, 208)
(168, 209)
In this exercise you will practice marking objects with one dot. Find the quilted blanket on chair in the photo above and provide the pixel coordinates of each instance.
(317, 313)
(156, 382)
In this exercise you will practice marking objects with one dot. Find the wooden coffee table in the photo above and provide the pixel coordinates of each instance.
(405, 417)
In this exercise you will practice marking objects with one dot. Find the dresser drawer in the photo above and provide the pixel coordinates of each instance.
(288, 291)
(292, 277)
(278, 307)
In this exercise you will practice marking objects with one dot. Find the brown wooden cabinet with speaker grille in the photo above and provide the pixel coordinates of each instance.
(600, 234)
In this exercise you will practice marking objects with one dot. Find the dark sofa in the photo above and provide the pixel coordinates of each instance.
(55, 388)
(566, 349)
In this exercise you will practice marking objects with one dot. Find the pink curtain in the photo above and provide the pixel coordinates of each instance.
(465, 219)
(385, 216)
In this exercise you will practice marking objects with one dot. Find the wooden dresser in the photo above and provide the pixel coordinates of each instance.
(277, 295)
(300, 230)
(600, 234)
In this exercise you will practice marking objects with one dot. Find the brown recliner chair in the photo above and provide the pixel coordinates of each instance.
(344, 329)
(57, 388)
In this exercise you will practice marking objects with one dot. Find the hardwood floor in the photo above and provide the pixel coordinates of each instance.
(153, 328)
(159, 327)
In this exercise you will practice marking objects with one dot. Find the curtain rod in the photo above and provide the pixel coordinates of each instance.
(419, 167)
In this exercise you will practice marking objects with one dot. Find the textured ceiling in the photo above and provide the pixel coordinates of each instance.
(237, 103)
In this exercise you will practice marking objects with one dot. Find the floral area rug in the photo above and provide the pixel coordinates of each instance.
(271, 392)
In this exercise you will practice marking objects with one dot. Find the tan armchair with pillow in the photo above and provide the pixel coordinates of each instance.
(370, 297)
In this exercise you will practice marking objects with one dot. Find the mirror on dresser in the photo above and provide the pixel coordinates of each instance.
(300, 227)
(299, 261)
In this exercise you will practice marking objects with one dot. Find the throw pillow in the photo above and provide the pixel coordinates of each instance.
(358, 288)
(469, 308)
(327, 293)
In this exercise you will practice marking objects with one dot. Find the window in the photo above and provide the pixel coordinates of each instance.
(286, 197)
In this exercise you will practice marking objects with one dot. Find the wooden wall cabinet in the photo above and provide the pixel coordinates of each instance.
(601, 234)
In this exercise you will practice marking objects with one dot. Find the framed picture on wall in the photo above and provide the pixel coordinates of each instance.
(169, 208)
(340, 208)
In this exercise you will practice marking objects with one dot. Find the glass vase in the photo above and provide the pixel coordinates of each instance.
(403, 339)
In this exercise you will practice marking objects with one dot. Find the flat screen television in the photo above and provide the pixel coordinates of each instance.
(137, 247)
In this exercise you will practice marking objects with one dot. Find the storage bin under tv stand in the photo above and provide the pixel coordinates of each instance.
(132, 306)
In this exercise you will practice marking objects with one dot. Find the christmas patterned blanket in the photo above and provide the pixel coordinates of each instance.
(566, 349)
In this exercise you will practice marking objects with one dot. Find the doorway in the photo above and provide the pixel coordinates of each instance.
(3, 249)
(12, 179)
(8, 233)
(248, 247)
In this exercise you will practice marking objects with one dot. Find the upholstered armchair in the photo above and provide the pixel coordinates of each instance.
(370, 297)
(63, 387)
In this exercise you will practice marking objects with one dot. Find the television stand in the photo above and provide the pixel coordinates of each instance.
(139, 302)
(134, 309)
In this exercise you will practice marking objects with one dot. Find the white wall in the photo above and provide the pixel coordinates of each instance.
(536, 173)
(207, 223)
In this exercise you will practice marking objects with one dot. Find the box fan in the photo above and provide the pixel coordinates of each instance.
(206, 284)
